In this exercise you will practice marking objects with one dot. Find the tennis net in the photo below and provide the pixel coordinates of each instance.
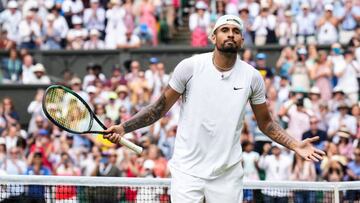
(109, 189)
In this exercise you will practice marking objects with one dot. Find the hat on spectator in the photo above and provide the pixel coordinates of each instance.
(75, 80)
(305, 4)
(122, 88)
(154, 60)
(314, 90)
(76, 20)
(149, 164)
(94, 32)
(115, 2)
(228, 19)
(94, 1)
(143, 28)
(49, 4)
(288, 13)
(329, 7)
(201, 5)
(338, 89)
(260, 56)
(12, 4)
(2, 141)
(91, 89)
(243, 7)
(302, 51)
(344, 132)
(38, 68)
(298, 89)
(342, 105)
(112, 95)
(50, 17)
(43, 132)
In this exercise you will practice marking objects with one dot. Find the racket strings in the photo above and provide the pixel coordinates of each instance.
(67, 110)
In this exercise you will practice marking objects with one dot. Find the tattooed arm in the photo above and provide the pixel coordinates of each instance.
(145, 117)
(272, 129)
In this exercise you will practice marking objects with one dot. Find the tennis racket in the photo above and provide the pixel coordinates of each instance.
(67, 110)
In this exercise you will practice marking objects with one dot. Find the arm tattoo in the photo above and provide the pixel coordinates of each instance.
(278, 134)
(146, 116)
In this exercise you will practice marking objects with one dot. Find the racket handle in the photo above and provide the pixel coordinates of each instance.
(131, 145)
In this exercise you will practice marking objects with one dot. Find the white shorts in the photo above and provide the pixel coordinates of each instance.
(225, 188)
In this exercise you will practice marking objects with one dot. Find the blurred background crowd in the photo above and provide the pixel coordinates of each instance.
(310, 91)
(104, 24)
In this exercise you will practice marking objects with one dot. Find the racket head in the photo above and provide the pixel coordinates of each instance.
(67, 110)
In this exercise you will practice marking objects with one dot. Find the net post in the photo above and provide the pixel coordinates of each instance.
(336, 194)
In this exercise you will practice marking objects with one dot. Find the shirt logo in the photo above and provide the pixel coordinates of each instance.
(232, 19)
(237, 88)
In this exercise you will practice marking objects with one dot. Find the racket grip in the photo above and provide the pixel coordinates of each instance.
(131, 145)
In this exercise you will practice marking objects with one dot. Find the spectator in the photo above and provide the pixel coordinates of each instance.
(5, 42)
(286, 31)
(247, 20)
(343, 140)
(11, 68)
(298, 118)
(77, 35)
(300, 77)
(94, 17)
(27, 69)
(10, 115)
(30, 34)
(346, 75)
(145, 35)
(61, 24)
(303, 170)
(115, 26)
(321, 74)
(338, 96)
(315, 131)
(160, 168)
(129, 41)
(277, 167)
(314, 96)
(353, 174)
(14, 165)
(250, 164)
(71, 9)
(94, 42)
(199, 23)
(10, 19)
(341, 119)
(349, 14)
(248, 57)
(286, 61)
(147, 16)
(326, 26)
(264, 26)
(51, 33)
(305, 21)
(66, 168)
(40, 75)
(36, 193)
(36, 111)
(261, 66)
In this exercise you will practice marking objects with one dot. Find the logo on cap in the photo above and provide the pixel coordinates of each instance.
(232, 19)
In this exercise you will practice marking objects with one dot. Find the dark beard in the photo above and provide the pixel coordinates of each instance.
(227, 49)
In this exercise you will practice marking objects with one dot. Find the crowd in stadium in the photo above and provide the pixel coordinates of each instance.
(95, 24)
(310, 92)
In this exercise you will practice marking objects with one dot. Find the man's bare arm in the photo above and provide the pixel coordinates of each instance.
(145, 117)
(271, 128)
(153, 112)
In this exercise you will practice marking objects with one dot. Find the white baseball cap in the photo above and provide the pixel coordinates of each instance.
(228, 19)
(12, 4)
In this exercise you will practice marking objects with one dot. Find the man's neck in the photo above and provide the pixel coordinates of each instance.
(224, 61)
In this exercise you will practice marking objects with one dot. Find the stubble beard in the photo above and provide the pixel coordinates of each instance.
(233, 49)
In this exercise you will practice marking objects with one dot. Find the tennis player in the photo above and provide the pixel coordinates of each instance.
(215, 88)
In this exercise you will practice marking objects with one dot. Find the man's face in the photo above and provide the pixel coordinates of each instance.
(228, 39)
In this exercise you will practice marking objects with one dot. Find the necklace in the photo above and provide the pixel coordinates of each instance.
(220, 68)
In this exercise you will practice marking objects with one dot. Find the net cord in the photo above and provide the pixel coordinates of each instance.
(141, 182)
